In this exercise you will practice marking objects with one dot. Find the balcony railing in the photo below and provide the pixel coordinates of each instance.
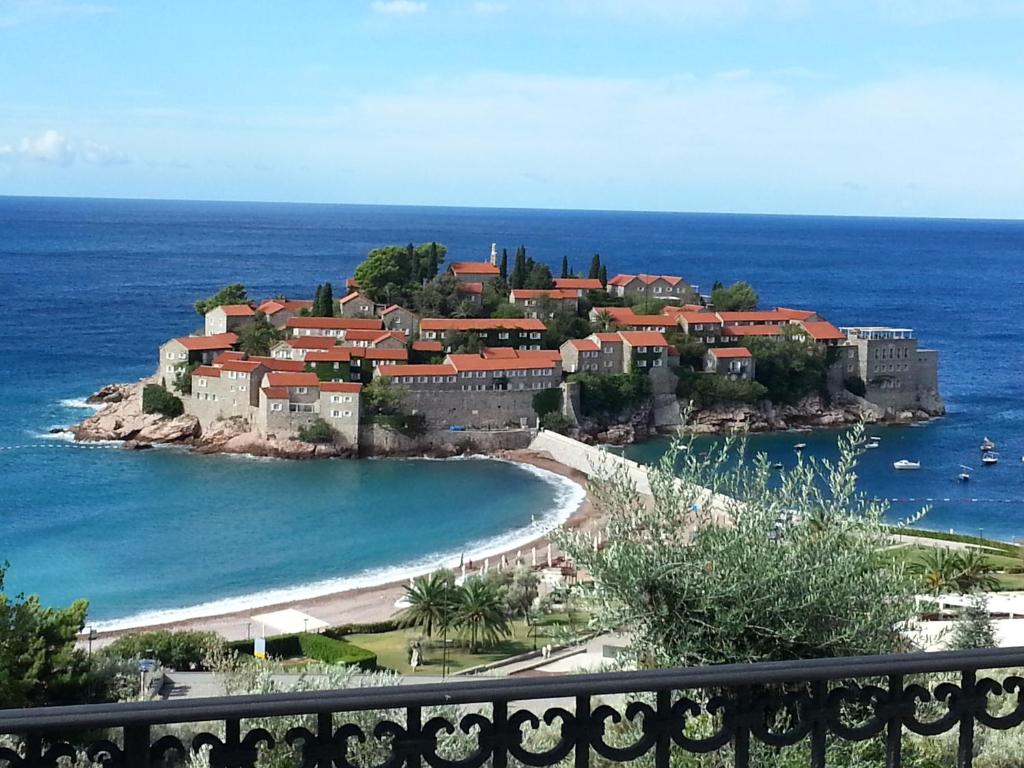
(814, 703)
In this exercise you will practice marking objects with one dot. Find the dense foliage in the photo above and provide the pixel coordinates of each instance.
(691, 349)
(789, 367)
(156, 399)
(323, 301)
(738, 297)
(183, 379)
(556, 422)
(380, 397)
(730, 564)
(259, 336)
(547, 401)
(324, 648)
(39, 664)
(317, 431)
(562, 325)
(941, 570)
(704, 390)
(855, 385)
(527, 273)
(229, 294)
(395, 271)
(179, 649)
(476, 609)
(610, 394)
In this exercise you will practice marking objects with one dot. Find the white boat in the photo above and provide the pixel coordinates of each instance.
(987, 445)
(799, 446)
(965, 474)
(906, 464)
(872, 444)
(990, 458)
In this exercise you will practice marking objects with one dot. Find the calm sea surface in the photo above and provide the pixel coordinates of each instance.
(94, 286)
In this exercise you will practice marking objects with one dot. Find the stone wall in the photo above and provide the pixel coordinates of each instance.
(485, 409)
(375, 440)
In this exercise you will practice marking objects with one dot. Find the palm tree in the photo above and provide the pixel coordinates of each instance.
(937, 568)
(975, 572)
(604, 320)
(431, 602)
(480, 613)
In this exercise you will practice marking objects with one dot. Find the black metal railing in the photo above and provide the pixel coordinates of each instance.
(743, 709)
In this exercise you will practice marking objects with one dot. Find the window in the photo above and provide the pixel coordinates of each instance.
(422, 379)
(183, 355)
(430, 335)
(607, 363)
(202, 381)
(641, 363)
(301, 390)
(657, 362)
(346, 414)
(641, 349)
(535, 335)
(241, 388)
(170, 355)
(169, 369)
(335, 414)
(275, 406)
(503, 335)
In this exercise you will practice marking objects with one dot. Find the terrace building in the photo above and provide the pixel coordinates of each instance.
(228, 318)
(330, 326)
(663, 287)
(279, 312)
(474, 271)
(178, 354)
(731, 362)
(615, 352)
(492, 332)
(396, 318)
(290, 401)
(356, 305)
(229, 389)
(897, 374)
(531, 301)
(579, 285)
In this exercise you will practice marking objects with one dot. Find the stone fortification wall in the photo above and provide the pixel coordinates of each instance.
(486, 409)
(375, 440)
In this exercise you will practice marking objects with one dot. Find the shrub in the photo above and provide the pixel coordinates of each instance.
(556, 422)
(182, 649)
(156, 399)
(366, 628)
(183, 379)
(547, 401)
(317, 431)
(611, 394)
(855, 385)
(323, 648)
(708, 389)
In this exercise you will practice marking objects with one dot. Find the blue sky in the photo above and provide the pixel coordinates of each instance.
(878, 107)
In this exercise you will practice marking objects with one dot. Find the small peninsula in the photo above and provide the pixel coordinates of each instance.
(421, 356)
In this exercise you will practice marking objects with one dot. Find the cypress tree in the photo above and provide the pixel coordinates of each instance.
(327, 300)
(433, 263)
(318, 302)
(520, 269)
(565, 266)
(503, 269)
(595, 267)
(603, 276)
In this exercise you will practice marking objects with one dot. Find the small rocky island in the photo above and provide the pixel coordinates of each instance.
(416, 360)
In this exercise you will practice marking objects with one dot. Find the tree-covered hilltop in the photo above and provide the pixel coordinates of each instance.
(394, 273)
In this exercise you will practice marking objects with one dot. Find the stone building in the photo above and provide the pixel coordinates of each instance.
(474, 271)
(578, 285)
(897, 374)
(663, 287)
(356, 305)
(227, 390)
(531, 301)
(290, 401)
(492, 332)
(615, 352)
(330, 326)
(177, 354)
(228, 318)
(279, 312)
(731, 362)
(396, 318)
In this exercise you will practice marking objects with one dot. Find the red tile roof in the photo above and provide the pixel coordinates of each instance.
(277, 379)
(207, 370)
(237, 310)
(276, 393)
(341, 386)
(585, 345)
(473, 268)
(706, 318)
(646, 279)
(795, 314)
(579, 283)
(334, 355)
(725, 352)
(635, 321)
(245, 366)
(208, 343)
(643, 338)
(292, 366)
(760, 316)
(394, 308)
(313, 342)
(381, 354)
(477, 363)
(223, 357)
(611, 336)
(273, 306)
(348, 297)
(427, 346)
(371, 335)
(616, 312)
(335, 323)
(416, 370)
(480, 324)
(396, 335)
(470, 288)
(752, 330)
(509, 353)
(555, 294)
(820, 330)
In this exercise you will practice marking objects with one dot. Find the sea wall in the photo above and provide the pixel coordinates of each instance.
(589, 459)
(376, 440)
(486, 409)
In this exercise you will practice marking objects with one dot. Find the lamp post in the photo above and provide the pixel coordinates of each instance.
(92, 636)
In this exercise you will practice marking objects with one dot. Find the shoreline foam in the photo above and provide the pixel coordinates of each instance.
(569, 497)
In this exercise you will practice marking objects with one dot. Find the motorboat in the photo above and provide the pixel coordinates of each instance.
(906, 464)
(799, 446)
(872, 444)
(965, 474)
(987, 445)
(990, 458)
(777, 465)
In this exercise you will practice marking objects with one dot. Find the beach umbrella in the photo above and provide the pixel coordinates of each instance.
(533, 556)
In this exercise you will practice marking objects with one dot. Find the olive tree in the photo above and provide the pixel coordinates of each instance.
(732, 562)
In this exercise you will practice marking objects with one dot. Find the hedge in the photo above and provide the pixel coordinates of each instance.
(156, 399)
(323, 648)
(366, 628)
(180, 649)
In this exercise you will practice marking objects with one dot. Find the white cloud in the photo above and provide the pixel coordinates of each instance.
(55, 148)
(17, 12)
(398, 7)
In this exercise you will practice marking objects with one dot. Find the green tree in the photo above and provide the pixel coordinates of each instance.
(973, 627)
(156, 399)
(789, 367)
(503, 269)
(230, 294)
(730, 565)
(177, 649)
(604, 320)
(565, 266)
(974, 572)
(480, 613)
(562, 325)
(382, 267)
(259, 336)
(39, 664)
(183, 379)
(432, 603)
(519, 269)
(521, 592)
(381, 397)
(507, 311)
(317, 431)
(547, 401)
(603, 276)
(738, 297)
(323, 303)
(538, 276)
(595, 267)
(438, 298)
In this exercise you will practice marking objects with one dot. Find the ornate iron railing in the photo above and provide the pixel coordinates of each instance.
(742, 708)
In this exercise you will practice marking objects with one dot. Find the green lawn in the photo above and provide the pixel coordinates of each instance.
(392, 648)
(912, 553)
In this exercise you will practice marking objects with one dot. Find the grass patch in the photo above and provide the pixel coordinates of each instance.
(961, 538)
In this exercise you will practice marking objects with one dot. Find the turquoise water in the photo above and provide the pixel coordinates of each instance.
(94, 286)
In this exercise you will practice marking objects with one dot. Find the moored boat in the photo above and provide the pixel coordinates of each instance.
(965, 474)
(987, 445)
(799, 446)
(906, 464)
(990, 458)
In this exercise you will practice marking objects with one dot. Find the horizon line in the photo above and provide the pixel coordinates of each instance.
(664, 211)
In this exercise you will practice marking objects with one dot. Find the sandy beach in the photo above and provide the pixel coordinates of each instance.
(375, 603)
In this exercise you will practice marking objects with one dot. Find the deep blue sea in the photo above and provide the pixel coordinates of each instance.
(94, 286)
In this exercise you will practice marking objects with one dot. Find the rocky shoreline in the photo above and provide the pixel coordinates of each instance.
(120, 418)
